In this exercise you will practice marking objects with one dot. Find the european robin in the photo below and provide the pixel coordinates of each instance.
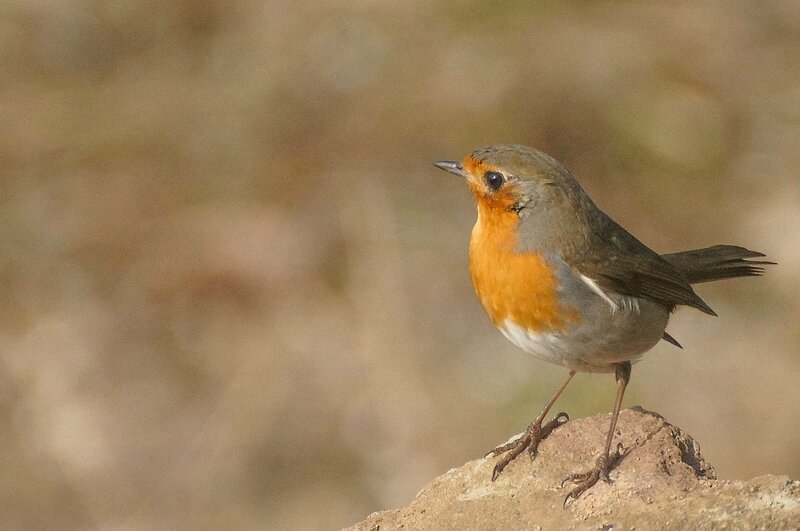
(565, 283)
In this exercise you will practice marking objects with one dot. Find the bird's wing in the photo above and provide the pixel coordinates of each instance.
(620, 263)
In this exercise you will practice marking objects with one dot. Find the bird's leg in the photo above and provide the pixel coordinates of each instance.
(605, 462)
(533, 435)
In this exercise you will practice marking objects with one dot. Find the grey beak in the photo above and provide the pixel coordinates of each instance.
(451, 166)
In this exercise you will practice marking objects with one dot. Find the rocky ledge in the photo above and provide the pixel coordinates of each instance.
(662, 482)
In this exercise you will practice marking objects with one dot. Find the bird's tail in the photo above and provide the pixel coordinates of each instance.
(716, 263)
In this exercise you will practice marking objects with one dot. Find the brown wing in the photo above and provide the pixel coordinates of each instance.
(619, 262)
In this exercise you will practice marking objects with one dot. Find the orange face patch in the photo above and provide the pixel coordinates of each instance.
(477, 167)
(511, 285)
(502, 199)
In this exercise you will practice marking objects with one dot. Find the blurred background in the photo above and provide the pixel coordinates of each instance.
(234, 288)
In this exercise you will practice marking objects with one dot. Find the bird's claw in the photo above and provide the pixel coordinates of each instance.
(529, 440)
(586, 480)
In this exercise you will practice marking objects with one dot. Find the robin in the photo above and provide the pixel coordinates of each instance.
(565, 283)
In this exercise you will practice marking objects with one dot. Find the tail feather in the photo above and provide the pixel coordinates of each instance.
(717, 263)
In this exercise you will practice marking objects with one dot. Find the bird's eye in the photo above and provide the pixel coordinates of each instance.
(493, 179)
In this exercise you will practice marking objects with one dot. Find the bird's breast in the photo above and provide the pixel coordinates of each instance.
(521, 288)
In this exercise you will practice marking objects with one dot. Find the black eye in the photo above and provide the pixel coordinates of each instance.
(494, 180)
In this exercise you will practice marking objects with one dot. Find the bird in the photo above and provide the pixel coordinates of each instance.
(567, 284)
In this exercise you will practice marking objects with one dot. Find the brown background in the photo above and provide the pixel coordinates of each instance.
(234, 288)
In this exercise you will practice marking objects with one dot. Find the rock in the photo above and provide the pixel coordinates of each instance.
(661, 483)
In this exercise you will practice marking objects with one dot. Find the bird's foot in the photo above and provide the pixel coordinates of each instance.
(534, 434)
(586, 480)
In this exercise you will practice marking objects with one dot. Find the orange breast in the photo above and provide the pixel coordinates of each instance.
(510, 285)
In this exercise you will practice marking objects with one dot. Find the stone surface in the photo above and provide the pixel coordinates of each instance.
(662, 483)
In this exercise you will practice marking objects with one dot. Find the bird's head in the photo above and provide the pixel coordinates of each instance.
(511, 178)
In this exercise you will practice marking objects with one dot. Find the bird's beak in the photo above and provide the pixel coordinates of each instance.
(451, 166)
